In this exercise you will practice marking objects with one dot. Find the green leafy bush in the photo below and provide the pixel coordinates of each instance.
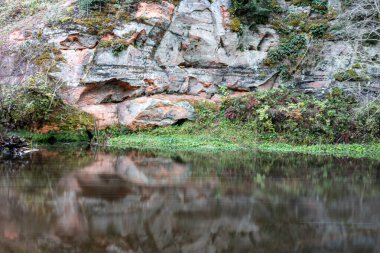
(252, 12)
(349, 75)
(290, 47)
(34, 105)
(287, 54)
(301, 118)
(118, 48)
(91, 4)
(26, 106)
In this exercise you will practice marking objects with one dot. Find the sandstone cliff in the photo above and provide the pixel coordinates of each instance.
(145, 65)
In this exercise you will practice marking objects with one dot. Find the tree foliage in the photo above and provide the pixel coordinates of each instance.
(91, 4)
(252, 12)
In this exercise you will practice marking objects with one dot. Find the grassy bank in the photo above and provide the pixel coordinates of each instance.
(206, 143)
(280, 120)
(173, 139)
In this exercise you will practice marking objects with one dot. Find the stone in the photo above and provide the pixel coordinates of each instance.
(335, 57)
(198, 36)
(74, 63)
(127, 29)
(14, 68)
(105, 114)
(147, 112)
(188, 50)
(112, 91)
(20, 36)
(155, 13)
(78, 42)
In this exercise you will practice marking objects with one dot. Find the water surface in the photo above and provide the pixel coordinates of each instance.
(78, 199)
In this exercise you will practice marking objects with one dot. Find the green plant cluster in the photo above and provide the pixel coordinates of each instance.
(302, 23)
(225, 136)
(118, 48)
(102, 17)
(235, 25)
(287, 55)
(251, 12)
(26, 106)
(282, 116)
(117, 45)
(302, 118)
(298, 32)
(91, 4)
(59, 137)
(350, 75)
(289, 48)
(34, 105)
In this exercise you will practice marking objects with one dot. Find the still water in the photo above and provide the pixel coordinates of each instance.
(77, 199)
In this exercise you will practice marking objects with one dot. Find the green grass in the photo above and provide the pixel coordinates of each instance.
(340, 150)
(175, 143)
(219, 140)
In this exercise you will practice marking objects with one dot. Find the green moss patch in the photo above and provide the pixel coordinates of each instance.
(173, 142)
(351, 75)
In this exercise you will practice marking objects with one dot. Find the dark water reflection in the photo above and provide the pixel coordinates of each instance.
(73, 199)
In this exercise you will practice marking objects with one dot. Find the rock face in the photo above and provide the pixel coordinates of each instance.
(184, 50)
(187, 50)
(144, 112)
(148, 111)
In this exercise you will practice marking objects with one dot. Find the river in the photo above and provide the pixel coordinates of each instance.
(80, 199)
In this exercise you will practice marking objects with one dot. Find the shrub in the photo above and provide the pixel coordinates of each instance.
(25, 106)
(252, 12)
(118, 48)
(91, 4)
(288, 48)
(349, 75)
(33, 105)
(287, 54)
(301, 118)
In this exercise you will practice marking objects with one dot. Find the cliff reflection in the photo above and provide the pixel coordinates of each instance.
(143, 202)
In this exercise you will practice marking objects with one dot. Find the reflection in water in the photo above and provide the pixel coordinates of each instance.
(76, 200)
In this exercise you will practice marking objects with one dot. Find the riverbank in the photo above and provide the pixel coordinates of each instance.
(203, 143)
(279, 120)
(165, 140)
